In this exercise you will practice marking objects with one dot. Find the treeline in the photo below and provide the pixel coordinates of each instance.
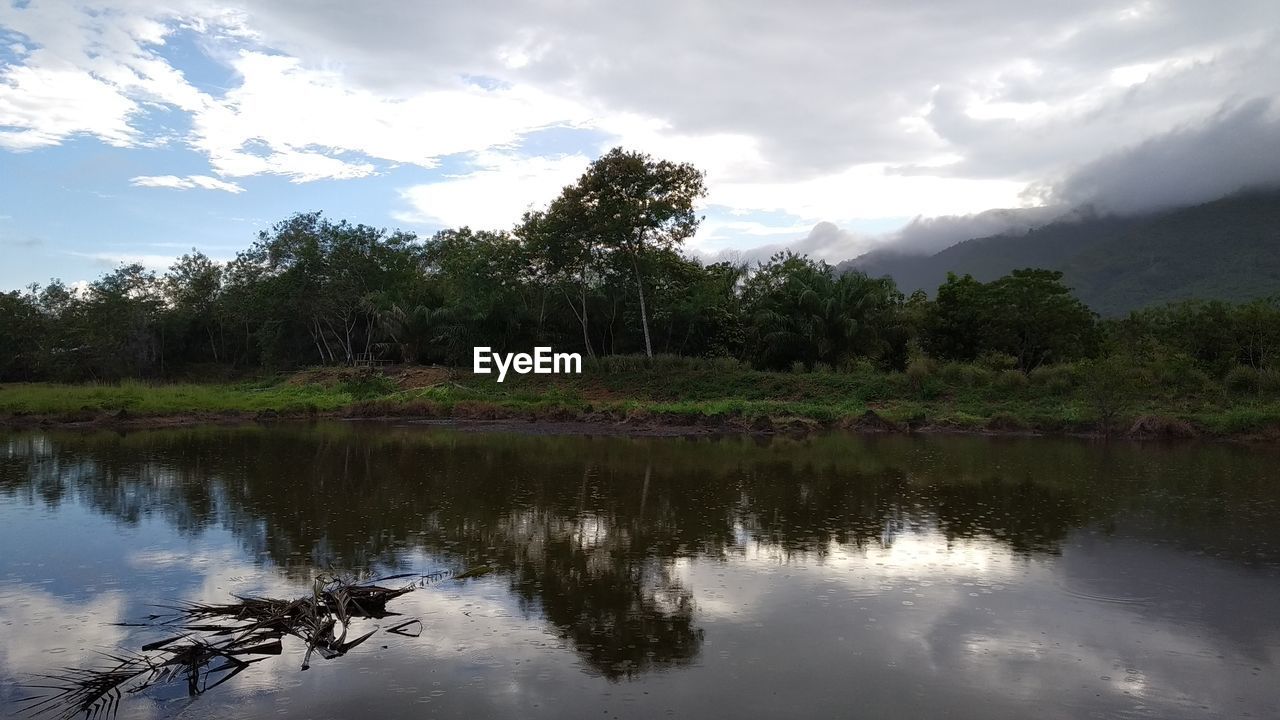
(599, 271)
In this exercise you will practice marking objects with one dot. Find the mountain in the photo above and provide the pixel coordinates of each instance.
(1228, 249)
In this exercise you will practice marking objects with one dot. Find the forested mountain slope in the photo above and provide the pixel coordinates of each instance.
(1227, 249)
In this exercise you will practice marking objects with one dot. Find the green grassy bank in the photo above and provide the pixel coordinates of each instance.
(1092, 398)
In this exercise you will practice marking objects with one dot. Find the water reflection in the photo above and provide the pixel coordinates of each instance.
(992, 576)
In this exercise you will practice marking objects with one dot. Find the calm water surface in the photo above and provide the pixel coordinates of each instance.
(834, 576)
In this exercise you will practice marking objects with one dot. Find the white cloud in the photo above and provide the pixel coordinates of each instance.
(112, 260)
(836, 113)
(185, 183)
(42, 106)
(823, 241)
(868, 191)
(495, 194)
(291, 120)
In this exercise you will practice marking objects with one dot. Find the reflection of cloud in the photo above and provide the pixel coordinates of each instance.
(43, 633)
(973, 614)
(911, 560)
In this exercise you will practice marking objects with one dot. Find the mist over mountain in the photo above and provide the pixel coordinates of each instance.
(1191, 213)
(1227, 249)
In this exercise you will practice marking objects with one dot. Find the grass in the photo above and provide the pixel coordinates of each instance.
(960, 397)
(154, 399)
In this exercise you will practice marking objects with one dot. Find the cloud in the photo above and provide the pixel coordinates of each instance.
(825, 241)
(866, 191)
(819, 91)
(297, 116)
(499, 189)
(185, 183)
(1237, 148)
(35, 644)
(930, 235)
(42, 106)
(839, 113)
(111, 260)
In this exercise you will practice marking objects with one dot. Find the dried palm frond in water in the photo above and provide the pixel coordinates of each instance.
(215, 642)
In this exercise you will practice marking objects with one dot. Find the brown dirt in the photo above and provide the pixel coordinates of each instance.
(871, 421)
(409, 378)
(1159, 426)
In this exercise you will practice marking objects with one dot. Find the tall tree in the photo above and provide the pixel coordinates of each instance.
(631, 206)
(193, 288)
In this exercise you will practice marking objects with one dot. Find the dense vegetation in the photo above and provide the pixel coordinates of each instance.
(1228, 249)
(600, 271)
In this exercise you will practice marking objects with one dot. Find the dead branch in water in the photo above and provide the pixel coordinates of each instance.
(215, 642)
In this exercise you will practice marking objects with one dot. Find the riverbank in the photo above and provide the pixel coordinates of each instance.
(689, 397)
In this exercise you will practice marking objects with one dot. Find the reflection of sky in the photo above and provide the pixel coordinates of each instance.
(901, 631)
(917, 627)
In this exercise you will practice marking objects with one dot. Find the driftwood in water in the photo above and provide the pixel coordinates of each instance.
(213, 643)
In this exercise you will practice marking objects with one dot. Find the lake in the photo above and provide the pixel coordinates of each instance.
(829, 576)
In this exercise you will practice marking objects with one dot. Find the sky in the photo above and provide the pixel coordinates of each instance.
(139, 129)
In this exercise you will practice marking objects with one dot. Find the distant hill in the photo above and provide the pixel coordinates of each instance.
(1228, 249)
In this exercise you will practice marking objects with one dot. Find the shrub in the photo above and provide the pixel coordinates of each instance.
(669, 361)
(621, 363)
(966, 375)
(998, 361)
(368, 385)
(1178, 372)
(918, 372)
(1242, 378)
(1109, 389)
(1269, 380)
(859, 366)
(1057, 379)
(1011, 380)
(725, 364)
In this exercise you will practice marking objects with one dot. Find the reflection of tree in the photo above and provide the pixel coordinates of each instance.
(1029, 517)
(625, 614)
(588, 531)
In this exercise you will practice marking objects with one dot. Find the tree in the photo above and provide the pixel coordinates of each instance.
(957, 323)
(193, 291)
(801, 311)
(117, 324)
(701, 308)
(564, 257)
(1028, 314)
(1037, 319)
(21, 329)
(314, 279)
(628, 206)
(488, 297)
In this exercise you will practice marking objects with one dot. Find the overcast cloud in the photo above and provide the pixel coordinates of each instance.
(885, 120)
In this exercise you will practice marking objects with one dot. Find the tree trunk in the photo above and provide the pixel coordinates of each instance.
(582, 318)
(644, 313)
(586, 336)
(212, 345)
